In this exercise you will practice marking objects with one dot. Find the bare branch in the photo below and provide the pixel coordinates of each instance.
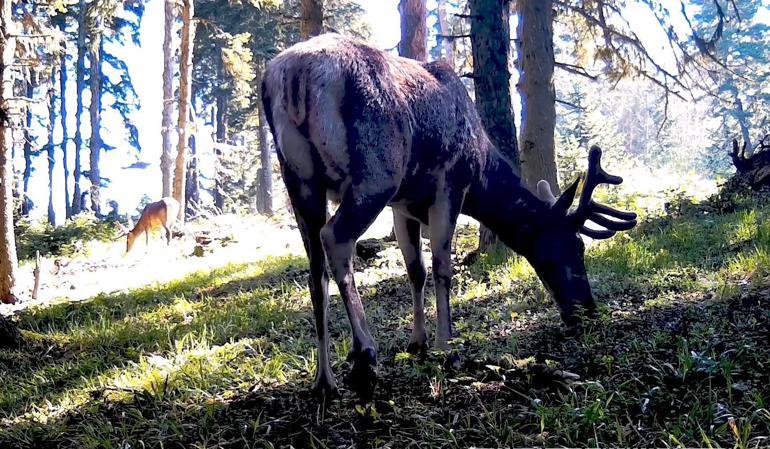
(575, 69)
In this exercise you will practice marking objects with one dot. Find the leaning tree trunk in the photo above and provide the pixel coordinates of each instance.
(168, 98)
(26, 203)
(95, 82)
(312, 17)
(8, 262)
(185, 78)
(265, 182)
(490, 43)
(414, 32)
(538, 97)
(64, 136)
(80, 72)
(51, 147)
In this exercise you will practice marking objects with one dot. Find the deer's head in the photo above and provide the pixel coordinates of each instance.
(127, 232)
(556, 248)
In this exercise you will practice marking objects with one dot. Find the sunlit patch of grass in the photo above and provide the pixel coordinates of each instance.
(222, 358)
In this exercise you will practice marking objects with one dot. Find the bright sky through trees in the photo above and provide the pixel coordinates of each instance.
(128, 186)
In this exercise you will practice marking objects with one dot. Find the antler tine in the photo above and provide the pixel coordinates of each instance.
(594, 176)
(600, 214)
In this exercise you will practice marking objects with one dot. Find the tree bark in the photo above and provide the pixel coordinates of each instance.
(490, 44)
(8, 262)
(447, 45)
(185, 77)
(222, 138)
(538, 97)
(65, 136)
(95, 82)
(192, 183)
(80, 72)
(312, 18)
(168, 97)
(26, 203)
(51, 148)
(265, 183)
(414, 32)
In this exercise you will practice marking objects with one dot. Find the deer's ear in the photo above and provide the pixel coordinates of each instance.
(545, 193)
(567, 197)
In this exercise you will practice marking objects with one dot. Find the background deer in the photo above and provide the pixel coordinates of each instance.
(372, 130)
(160, 214)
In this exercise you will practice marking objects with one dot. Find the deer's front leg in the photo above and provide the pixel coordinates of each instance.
(410, 242)
(442, 218)
(354, 215)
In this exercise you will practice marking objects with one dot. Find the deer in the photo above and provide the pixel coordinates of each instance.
(367, 129)
(160, 214)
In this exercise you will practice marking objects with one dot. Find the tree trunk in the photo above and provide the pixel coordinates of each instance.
(222, 138)
(414, 32)
(168, 97)
(538, 97)
(8, 262)
(80, 71)
(26, 203)
(51, 148)
(95, 81)
(192, 183)
(185, 77)
(265, 182)
(312, 18)
(64, 136)
(490, 43)
(447, 45)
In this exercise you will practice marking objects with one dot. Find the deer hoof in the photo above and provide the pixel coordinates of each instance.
(452, 361)
(324, 386)
(418, 344)
(363, 376)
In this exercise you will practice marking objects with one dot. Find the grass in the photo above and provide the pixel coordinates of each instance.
(678, 356)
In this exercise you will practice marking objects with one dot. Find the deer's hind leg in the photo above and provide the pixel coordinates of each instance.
(308, 199)
(410, 242)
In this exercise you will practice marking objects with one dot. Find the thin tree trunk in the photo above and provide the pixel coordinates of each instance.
(80, 71)
(265, 182)
(65, 136)
(8, 262)
(192, 184)
(312, 18)
(538, 97)
(26, 203)
(221, 138)
(414, 32)
(168, 98)
(490, 42)
(95, 81)
(185, 77)
(51, 148)
(447, 45)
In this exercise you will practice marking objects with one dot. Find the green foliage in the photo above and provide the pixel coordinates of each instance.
(38, 235)
(677, 356)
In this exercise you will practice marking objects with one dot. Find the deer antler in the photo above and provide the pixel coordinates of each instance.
(590, 210)
(122, 229)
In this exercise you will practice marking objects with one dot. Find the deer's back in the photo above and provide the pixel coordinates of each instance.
(357, 107)
(159, 214)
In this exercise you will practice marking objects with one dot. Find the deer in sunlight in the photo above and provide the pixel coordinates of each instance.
(369, 129)
(160, 214)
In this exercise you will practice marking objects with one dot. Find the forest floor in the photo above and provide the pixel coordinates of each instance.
(219, 352)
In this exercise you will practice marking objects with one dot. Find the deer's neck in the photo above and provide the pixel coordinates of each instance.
(499, 200)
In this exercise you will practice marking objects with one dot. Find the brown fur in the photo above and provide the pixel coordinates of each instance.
(160, 214)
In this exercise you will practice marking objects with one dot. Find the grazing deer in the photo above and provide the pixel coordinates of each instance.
(155, 215)
(372, 130)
